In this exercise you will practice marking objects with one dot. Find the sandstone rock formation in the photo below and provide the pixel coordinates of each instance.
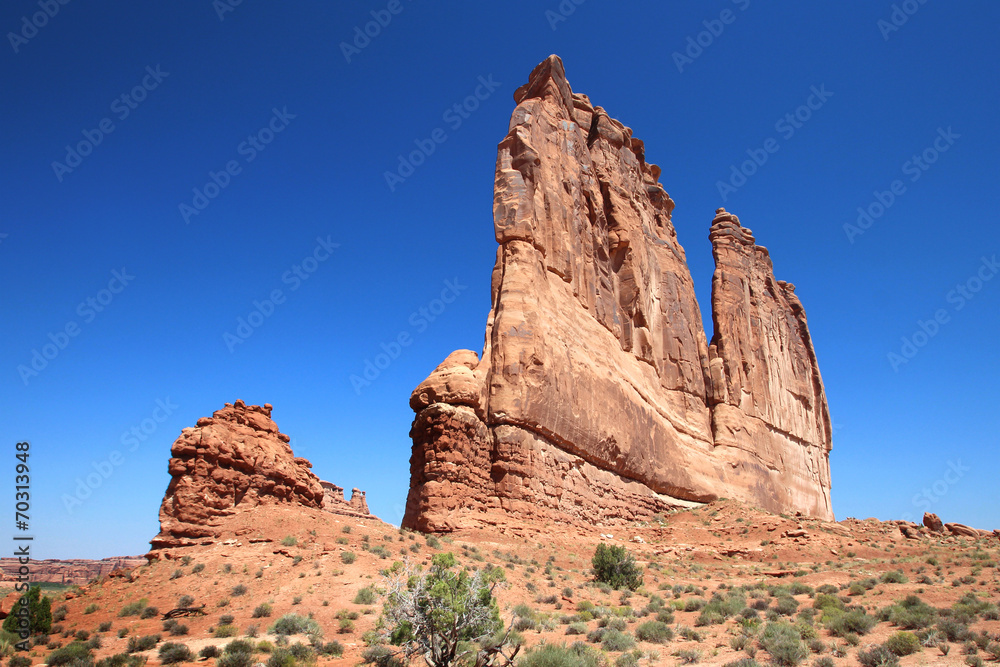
(598, 397)
(333, 501)
(72, 571)
(234, 460)
(933, 523)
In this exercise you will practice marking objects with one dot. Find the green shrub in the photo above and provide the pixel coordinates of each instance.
(877, 656)
(576, 629)
(289, 541)
(133, 608)
(851, 622)
(688, 656)
(19, 661)
(209, 651)
(122, 660)
(366, 595)
(952, 629)
(90, 609)
(69, 653)
(557, 655)
(616, 640)
(786, 606)
(903, 643)
(238, 590)
(263, 610)
(171, 653)
(144, 643)
(615, 566)
(281, 657)
(348, 557)
(655, 632)
(225, 631)
(293, 624)
(894, 577)
(104, 626)
(332, 649)
(185, 601)
(236, 660)
(784, 644)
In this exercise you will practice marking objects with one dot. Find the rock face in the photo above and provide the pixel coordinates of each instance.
(933, 523)
(229, 462)
(598, 397)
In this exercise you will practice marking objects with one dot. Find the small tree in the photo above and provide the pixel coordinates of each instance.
(615, 566)
(39, 613)
(447, 615)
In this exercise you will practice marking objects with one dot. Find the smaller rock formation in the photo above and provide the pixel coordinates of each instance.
(933, 523)
(74, 571)
(229, 462)
(333, 501)
(962, 530)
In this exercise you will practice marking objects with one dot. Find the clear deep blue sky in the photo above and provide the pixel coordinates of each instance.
(899, 431)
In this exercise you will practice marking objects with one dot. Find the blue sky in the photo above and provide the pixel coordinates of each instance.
(277, 138)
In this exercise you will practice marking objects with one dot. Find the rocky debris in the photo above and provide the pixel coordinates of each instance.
(911, 531)
(796, 533)
(230, 462)
(333, 501)
(933, 523)
(962, 530)
(597, 398)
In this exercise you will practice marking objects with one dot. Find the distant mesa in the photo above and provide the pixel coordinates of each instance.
(598, 396)
(232, 462)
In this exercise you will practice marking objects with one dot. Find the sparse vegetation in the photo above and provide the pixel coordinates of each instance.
(616, 567)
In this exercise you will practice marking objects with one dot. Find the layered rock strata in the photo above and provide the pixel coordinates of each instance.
(597, 397)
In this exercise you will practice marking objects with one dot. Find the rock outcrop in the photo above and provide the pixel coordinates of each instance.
(229, 462)
(597, 397)
(334, 502)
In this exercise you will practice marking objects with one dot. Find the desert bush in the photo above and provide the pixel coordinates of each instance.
(226, 619)
(786, 606)
(654, 632)
(68, 654)
(348, 557)
(238, 590)
(197, 568)
(144, 643)
(688, 656)
(104, 626)
(90, 609)
(185, 601)
(576, 629)
(209, 652)
(903, 643)
(225, 631)
(851, 622)
(289, 541)
(894, 577)
(133, 608)
(122, 660)
(332, 649)
(952, 629)
(366, 595)
(616, 640)
(263, 610)
(877, 655)
(615, 566)
(783, 642)
(172, 652)
(293, 624)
